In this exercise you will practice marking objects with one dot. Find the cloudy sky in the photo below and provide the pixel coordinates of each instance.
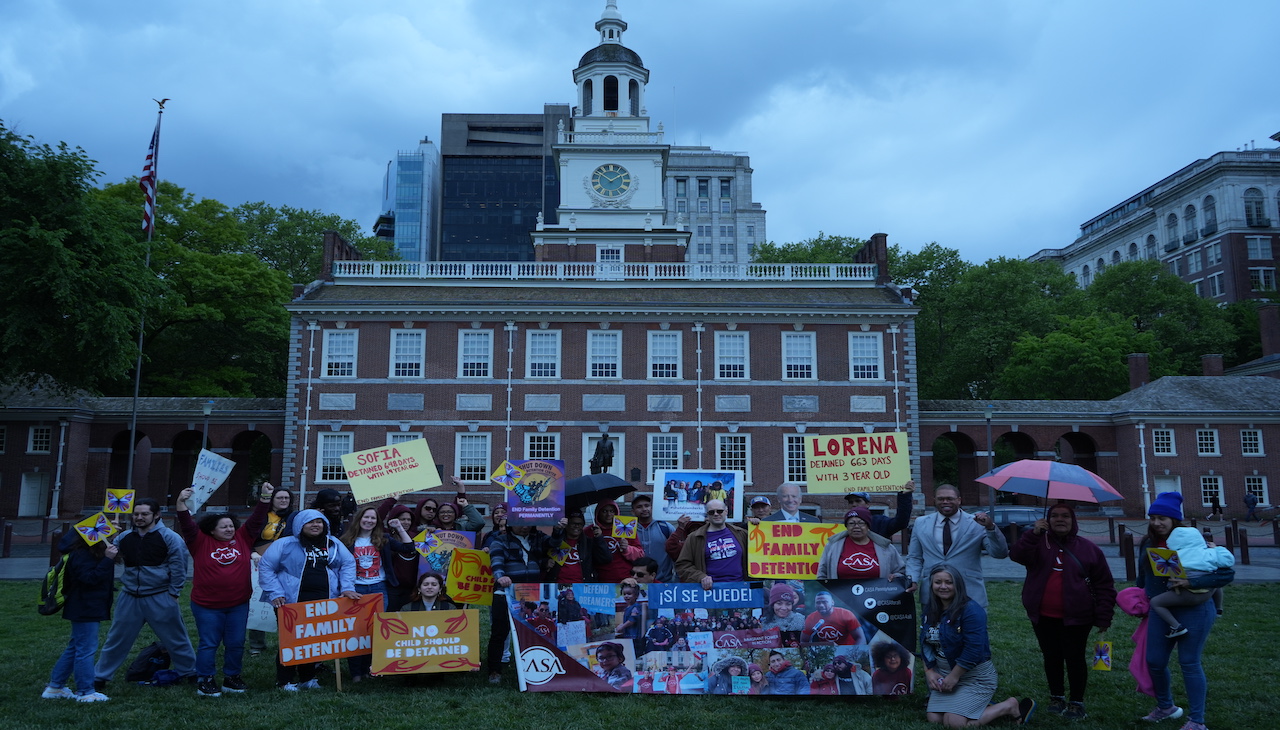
(993, 127)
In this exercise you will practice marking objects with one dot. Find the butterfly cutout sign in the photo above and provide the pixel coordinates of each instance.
(625, 527)
(1102, 656)
(1165, 563)
(425, 542)
(95, 529)
(119, 501)
(507, 474)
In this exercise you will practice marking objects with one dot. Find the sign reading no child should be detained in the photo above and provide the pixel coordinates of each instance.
(390, 471)
(857, 462)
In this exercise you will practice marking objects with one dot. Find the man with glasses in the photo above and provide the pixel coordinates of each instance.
(951, 535)
(715, 552)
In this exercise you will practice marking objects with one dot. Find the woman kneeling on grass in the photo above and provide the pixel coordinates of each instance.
(87, 585)
(957, 657)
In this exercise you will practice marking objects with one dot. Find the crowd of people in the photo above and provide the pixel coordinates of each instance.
(280, 555)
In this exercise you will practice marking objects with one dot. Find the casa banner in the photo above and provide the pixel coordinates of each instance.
(787, 549)
(857, 462)
(783, 637)
(331, 628)
(426, 642)
(390, 471)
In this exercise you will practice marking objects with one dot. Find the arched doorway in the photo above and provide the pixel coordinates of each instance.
(1079, 449)
(182, 463)
(251, 451)
(955, 462)
(118, 468)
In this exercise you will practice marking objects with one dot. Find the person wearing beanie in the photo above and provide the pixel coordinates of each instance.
(780, 612)
(885, 525)
(1166, 504)
(858, 553)
(759, 683)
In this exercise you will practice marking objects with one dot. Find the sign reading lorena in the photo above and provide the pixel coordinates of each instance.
(857, 462)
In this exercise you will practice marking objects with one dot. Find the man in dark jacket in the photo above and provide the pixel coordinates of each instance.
(517, 554)
(884, 524)
(715, 552)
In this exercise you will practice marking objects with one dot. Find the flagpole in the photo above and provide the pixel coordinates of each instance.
(150, 184)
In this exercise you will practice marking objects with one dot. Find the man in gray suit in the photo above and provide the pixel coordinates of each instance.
(789, 501)
(951, 535)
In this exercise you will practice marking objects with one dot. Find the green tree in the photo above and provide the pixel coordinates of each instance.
(74, 278)
(1247, 341)
(822, 249)
(290, 239)
(1082, 358)
(932, 269)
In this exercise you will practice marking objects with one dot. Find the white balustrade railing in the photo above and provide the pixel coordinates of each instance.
(568, 271)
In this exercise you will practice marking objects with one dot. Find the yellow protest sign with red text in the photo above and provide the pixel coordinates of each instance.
(423, 642)
(470, 577)
(787, 549)
(390, 471)
(856, 462)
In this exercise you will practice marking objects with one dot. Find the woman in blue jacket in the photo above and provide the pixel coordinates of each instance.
(957, 657)
(88, 581)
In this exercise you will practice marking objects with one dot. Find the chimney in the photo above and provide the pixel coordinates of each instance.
(1212, 365)
(1139, 370)
(1269, 326)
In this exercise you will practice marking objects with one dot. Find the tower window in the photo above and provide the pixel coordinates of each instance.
(633, 95)
(587, 93)
(611, 93)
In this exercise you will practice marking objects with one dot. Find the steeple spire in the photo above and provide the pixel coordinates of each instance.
(611, 23)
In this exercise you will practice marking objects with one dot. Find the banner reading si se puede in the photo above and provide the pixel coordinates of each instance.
(331, 628)
(857, 462)
(390, 471)
(423, 642)
(787, 549)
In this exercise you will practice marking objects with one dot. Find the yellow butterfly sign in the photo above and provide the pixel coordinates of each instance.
(97, 528)
(119, 501)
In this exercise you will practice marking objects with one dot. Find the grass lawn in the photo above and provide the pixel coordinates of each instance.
(1241, 674)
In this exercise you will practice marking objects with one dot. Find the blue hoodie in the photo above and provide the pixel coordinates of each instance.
(280, 571)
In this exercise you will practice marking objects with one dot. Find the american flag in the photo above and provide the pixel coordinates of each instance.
(148, 183)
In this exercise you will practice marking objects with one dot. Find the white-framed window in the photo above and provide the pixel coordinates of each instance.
(733, 453)
(1211, 487)
(726, 231)
(39, 439)
(330, 450)
(1259, 247)
(682, 205)
(704, 247)
(1162, 443)
(471, 451)
(751, 230)
(542, 446)
(732, 361)
(1255, 209)
(726, 206)
(1175, 266)
(475, 353)
(704, 206)
(1207, 442)
(1216, 285)
(799, 356)
(664, 355)
(1262, 279)
(682, 187)
(399, 437)
(542, 354)
(664, 452)
(1195, 262)
(604, 354)
(1251, 442)
(1257, 486)
(726, 187)
(866, 355)
(793, 454)
(408, 350)
(727, 250)
(704, 232)
(1213, 254)
(339, 354)
(704, 187)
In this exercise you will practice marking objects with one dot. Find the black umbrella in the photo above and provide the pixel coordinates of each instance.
(592, 488)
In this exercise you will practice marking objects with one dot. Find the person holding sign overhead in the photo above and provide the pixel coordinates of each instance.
(715, 552)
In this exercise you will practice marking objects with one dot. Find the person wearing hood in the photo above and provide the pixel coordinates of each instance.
(309, 565)
(780, 612)
(824, 681)
(784, 678)
(1068, 590)
(720, 680)
(460, 516)
(88, 581)
(424, 515)
(622, 550)
(859, 554)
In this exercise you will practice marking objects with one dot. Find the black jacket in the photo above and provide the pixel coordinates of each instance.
(88, 585)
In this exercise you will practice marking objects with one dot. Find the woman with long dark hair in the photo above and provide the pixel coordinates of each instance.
(957, 657)
(430, 595)
(276, 527)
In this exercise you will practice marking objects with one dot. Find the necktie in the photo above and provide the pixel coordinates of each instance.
(946, 536)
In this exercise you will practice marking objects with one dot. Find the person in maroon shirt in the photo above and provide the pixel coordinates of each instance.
(860, 554)
(622, 550)
(221, 587)
(582, 552)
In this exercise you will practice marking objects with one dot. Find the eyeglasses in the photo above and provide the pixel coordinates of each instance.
(716, 511)
(639, 574)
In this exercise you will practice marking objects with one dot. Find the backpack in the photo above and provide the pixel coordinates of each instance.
(52, 589)
(148, 664)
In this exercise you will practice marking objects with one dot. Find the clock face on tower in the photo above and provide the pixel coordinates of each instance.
(610, 181)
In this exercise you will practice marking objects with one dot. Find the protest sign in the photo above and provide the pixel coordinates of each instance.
(96, 528)
(119, 501)
(857, 462)
(534, 490)
(680, 492)
(262, 617)
(1165, 563)
(211, 471)
(470, 579)
(426, 642)
(787, 549)
(625, 527)
(390, 471)
(331, 628)
(437, 547)
(1102, 656)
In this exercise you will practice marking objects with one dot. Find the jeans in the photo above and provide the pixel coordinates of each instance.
(224, 626)
(77, 658)
(1199, 622)
(1063, 645)
(359, 665)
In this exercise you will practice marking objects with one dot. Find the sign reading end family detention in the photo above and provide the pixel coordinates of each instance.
(331, 628)
(857, 462)
(390, 471)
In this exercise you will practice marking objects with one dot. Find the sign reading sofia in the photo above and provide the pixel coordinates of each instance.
(857, 462)
(390, 471)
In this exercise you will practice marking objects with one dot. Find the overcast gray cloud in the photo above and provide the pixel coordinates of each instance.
(993, 127)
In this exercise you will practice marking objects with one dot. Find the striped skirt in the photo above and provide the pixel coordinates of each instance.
(972, 694)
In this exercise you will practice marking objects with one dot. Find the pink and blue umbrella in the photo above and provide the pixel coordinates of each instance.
(1051, 480)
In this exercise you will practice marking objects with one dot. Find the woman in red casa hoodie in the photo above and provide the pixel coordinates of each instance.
(221, 588)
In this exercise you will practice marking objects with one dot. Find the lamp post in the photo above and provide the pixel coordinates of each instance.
(208, 409)
(988, 412)
(57, 478)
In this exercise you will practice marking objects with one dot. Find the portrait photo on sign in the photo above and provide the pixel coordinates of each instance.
(679, 492)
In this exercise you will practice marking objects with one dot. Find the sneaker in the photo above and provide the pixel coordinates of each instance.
(233, 683)
(57, 693)
(1075, 711)
(1164, 713)
(1026, 708)
(206, 687)
(92, 697)
(1176, 631)
(311, 684)
(1193, 725)
(1057, 705)
(289, 687)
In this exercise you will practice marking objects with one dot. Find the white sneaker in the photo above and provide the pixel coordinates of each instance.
(92, 697)
(290, 687)
(311, 684)
(57, 693)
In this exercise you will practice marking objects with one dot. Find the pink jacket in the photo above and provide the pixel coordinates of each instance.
(1134, 602)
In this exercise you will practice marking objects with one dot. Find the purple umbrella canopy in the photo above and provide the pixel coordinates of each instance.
(1051, 480)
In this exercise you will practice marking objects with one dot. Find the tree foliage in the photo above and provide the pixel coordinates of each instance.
(288, 238)
(822, 249)
(1083, 357)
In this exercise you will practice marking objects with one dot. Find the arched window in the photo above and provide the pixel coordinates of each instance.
(1133, 251)
(587, 93)
(1210, 216)
(610, 93)
(1115, 257)
(633, 93)
(1189, 232)
(1101, 265)
(1086, 277)
(1255, 213)
(1171, 232)
(1151, 247)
